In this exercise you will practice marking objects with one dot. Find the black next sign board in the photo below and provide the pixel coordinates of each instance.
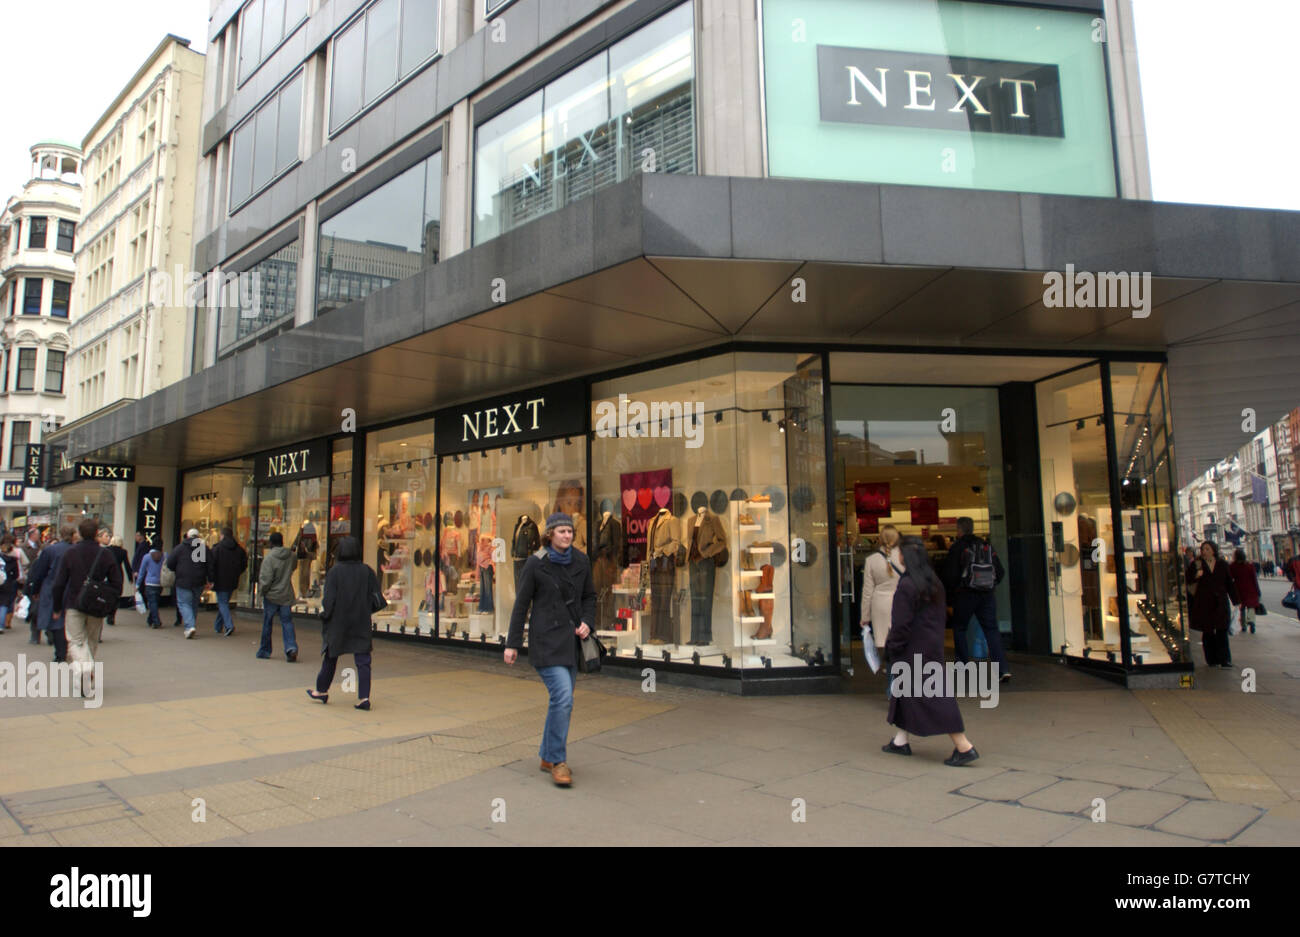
(290, 463)
(148, 511)
(32, 474)
(939, 92)
(526, 416)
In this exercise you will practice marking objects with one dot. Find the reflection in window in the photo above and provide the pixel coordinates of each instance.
(388, 235)
(62, 293)
(67, 235)
(261, 296)
(391, 39)
(32, 290)
(265, 24)
(629, 109)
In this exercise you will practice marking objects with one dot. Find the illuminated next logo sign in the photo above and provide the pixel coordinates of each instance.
(939, 92)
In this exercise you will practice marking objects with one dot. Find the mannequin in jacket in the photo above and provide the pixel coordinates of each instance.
(524, 542)
(663, 546)
(708, 551)
(607, 566)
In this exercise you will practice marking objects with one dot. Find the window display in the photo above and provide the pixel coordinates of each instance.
(222, 496)
(401, 528)
(700, 554)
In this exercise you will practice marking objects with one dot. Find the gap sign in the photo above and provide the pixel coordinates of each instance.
(939, 92)
(13, 490)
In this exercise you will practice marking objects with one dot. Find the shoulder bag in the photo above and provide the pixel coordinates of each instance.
(166, 575)
(97, 596)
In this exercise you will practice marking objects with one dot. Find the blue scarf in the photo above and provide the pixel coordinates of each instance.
(562, 559)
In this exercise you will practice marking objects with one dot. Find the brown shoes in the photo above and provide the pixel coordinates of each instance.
(547, 766)
(746, 563)
(746, 605)
(561, 774)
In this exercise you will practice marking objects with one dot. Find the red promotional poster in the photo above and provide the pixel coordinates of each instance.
(868, 523)
(924, 510)
(644, 493)
(871, 498)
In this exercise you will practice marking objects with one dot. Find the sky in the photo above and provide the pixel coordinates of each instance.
(1217, 82)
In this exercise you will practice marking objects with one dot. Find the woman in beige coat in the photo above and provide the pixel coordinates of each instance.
(879, 580)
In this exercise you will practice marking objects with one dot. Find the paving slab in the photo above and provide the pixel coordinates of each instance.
(1008, 786)
(1069, 796)
(1141, 808)
(1207, 819)
(1007, 825)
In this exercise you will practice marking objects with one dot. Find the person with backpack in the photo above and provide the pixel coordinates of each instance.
(556, 584)
(227, 563)
(190, 563)
(85, 564)
(971, 573)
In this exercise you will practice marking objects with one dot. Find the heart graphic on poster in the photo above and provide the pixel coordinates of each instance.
(643, 497)
(663, 496)
(629, 499)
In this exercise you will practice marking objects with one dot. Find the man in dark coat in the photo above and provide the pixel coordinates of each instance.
(345, 612)
(84, 558)
(226, 563)
(555, 582)
(141, 551)
(189, 561)
(967, 601)
(40, 580)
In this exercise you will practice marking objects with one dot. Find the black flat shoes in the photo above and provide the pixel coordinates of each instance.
(891, 748)
(323, 698)
(958, 759)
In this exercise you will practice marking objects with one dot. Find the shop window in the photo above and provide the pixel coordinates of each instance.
(36, 233)
(1152, 568)
(708, 536)
(629, 109)
(259, 297)
(265, 24)
(18, 440)
(26, 369)
(299, 512)
(386, 236)
(54, 361)
(61, 295)
(67, 235)
(219, 497)
(400, 536)
(266, 144)
(385, 44)
(1083, 599)
(340, 522)
(32, 290)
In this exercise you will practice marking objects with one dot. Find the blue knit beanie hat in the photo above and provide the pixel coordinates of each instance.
(558, 519)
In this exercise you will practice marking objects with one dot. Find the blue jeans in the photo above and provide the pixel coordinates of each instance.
(151, 594)
(559, 683)
(983, 606)
(223, 613)
(269, 611)
(185, 603)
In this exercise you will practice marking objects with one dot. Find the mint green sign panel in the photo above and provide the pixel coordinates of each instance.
(859, 90)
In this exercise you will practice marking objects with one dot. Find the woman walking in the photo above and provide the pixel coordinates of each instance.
(880, 575)
(9, 589)
(556, 584)
(917, 630)
(345, 614)
(1247, 583)
(1211, 589)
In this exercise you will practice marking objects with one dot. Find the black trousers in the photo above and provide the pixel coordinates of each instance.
(326, 676)
(60, 641)
(1216, 648)
(663, 576)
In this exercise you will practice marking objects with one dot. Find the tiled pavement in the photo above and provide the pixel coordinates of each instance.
(450, 750)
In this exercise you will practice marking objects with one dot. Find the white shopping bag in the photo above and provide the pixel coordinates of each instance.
(23, 608)
(869, 649)
(139, 604)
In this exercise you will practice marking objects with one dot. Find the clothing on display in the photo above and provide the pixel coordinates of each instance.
(664, 551)
(708, 551)
(607, 566)
(525, 541)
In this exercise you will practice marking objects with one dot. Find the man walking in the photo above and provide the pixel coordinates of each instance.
(189, 561)
(276, 582)
(226, 564)
(971, 573)
(83, 561)
(40, 583)
(142, 547)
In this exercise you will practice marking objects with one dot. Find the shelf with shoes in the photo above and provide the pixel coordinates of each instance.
(756, 633)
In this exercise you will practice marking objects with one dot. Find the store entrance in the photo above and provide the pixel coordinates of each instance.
(299, 512)
(917, 459)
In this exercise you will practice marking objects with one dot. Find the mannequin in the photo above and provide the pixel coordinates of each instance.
(708, 551)
(663, 546)
(607, 566)
(304, 547)
(525, 539)
(579, 531)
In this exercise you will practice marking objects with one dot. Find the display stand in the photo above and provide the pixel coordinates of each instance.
(750, 651)
(1139, 639)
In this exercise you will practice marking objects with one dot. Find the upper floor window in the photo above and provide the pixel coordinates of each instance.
(18, 440)
(266, 144)
(36, 234)
(384, 45)
(67, 235)
(628, 109)
(32, 290)
(492, 6)
(265, 24)
(26, 369)
(60, 296)
(54, 361)
(386, 236)
(264, 294)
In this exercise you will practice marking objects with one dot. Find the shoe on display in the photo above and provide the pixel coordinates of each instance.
(746, 562)
(747, 520)
(958, 759)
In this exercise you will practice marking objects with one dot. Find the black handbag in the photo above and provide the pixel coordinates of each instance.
(97, 596)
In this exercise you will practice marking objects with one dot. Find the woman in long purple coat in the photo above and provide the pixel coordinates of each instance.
(916, 628)
(1212, 595)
